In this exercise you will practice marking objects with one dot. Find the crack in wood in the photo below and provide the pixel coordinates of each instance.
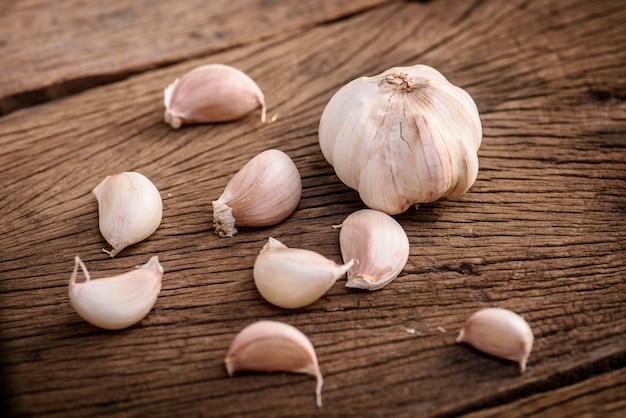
(560, 379)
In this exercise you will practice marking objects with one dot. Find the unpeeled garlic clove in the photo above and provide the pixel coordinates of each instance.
(379, 246)
(499, 332)
(403, 137)
(268, 346)
(264, 192)
(212, 93)
(292, 277)
(130, 209)
(116, 302)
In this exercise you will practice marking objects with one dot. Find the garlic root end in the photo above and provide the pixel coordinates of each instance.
(172, 120)
(223, 220)
(363, 282)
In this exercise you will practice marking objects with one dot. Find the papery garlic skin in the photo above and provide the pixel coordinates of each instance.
(379, 246)
(268, 346)
(212, 93)
(264, 192)
(401, 138)
(499, 332)
(293, 278)
(116, 302)
(130, 209)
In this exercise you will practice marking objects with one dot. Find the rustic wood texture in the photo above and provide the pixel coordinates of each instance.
(599, 396)
(53, 49)
(542, 231)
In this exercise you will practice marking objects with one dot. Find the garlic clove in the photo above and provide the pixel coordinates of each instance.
(379, 246)
(293, 278)
(401, 138)
(212, 93)
(264, 192)
(130, 209)
(116, 302)
(268, 346)
(499, 332)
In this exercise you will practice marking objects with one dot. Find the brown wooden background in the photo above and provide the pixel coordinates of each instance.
(542, 231)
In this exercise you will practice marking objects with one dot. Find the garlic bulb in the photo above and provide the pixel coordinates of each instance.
(212, 93)
(379, 246)
(403, 137)
(264, 192)
(130, 209)
(268, 346)
(119, 301)
(293, 278)
(499, 332)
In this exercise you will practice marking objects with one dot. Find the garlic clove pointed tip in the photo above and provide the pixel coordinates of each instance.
(460, 338)
(153, 264)
(522, 365)
(113, 251)
(272, 243)
(344, 268)
(263, 112)
(318, 390)
(229, 367)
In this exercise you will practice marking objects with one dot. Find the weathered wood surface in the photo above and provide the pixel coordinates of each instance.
(53, 49)
(542, 232)
(599, 396)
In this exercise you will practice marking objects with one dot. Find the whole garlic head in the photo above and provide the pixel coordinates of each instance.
(130, 209)
(401, 138)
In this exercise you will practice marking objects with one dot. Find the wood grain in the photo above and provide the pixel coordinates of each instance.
(52, 50)
(542, 231)
(599, 396)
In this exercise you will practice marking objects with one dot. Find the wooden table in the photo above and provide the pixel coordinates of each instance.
(542, 231)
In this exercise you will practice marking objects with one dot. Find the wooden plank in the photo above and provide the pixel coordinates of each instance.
(600, 396)
(54, 49)
(542, 232)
